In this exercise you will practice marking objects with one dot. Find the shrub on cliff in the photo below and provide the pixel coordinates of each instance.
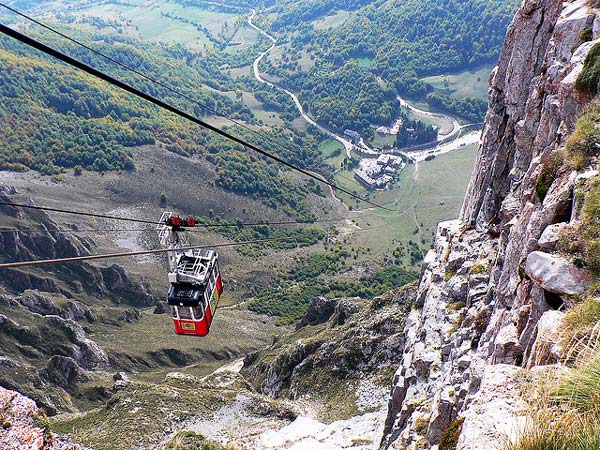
(550, 170)
(589, 77)
(584, 142)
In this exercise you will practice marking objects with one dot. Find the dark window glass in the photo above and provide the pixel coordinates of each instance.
(185, 312)
(183, 292)
(199, 312)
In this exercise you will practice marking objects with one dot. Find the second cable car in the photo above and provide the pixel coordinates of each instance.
(195, 279)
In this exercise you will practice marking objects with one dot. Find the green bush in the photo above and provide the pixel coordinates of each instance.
(589, 77)
(586, 35)
(478, 268)
(549, 172)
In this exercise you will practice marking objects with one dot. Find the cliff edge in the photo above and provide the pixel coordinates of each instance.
(494, 289)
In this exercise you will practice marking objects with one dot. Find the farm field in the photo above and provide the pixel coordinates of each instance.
(151, 23)
(472, 83)
(380, 140)
(331, 21)
(416, 199)
(332, 152)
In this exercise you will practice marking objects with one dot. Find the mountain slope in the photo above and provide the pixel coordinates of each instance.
(493, 292)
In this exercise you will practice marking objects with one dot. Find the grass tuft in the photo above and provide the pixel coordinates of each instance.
(584, 142)
(450, 272)
(550, 169)
(422, 425)
(451, 434)
(566, 415)
(579, 320)
(478, 268)
(580, 389)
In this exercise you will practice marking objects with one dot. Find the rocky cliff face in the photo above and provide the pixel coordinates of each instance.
(45, 317)
(492, 291)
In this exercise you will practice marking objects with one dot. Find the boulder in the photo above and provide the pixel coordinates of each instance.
(121, 380)
(130, 315)
(160, 308)
(556, 274)
(551, 236)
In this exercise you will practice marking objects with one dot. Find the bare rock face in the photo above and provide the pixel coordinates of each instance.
(64, 372)
(497, 414)
(22, 425)
(319, 311)
(487, 296)
(353, 344)
(555, 274)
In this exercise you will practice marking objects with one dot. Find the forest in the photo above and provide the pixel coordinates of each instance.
(59, 118)
(312, 277)
(397, 41)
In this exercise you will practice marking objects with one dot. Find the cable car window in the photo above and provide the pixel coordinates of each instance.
(184, 292)
(174, 312)
(185, 313)
(198, 312)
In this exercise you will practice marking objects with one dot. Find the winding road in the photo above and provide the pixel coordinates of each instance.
(346, 143)
(446, 143)
(455, 125)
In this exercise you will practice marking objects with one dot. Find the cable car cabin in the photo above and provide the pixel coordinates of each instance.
(194, 293)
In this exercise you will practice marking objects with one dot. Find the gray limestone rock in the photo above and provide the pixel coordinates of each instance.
(551, 236)
(496, 413)
(556, 274)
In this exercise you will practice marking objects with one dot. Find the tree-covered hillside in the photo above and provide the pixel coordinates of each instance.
(55, 117)
(396, 41)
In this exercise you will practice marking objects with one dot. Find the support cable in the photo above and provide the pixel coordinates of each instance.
(155, 222)
(17, 264)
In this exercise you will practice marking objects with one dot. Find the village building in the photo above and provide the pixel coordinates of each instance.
(354, 136)
(378, 173)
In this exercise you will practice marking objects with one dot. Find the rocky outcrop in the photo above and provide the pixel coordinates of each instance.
(355, 346)
(489, 300)
(46, 240)
(25, 426)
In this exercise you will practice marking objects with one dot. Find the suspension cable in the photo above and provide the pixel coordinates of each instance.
(126, 87)
(261, 134)
(155, 222)
(13, 265)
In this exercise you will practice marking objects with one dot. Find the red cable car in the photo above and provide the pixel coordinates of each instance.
(196, 284)
(193, 304)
